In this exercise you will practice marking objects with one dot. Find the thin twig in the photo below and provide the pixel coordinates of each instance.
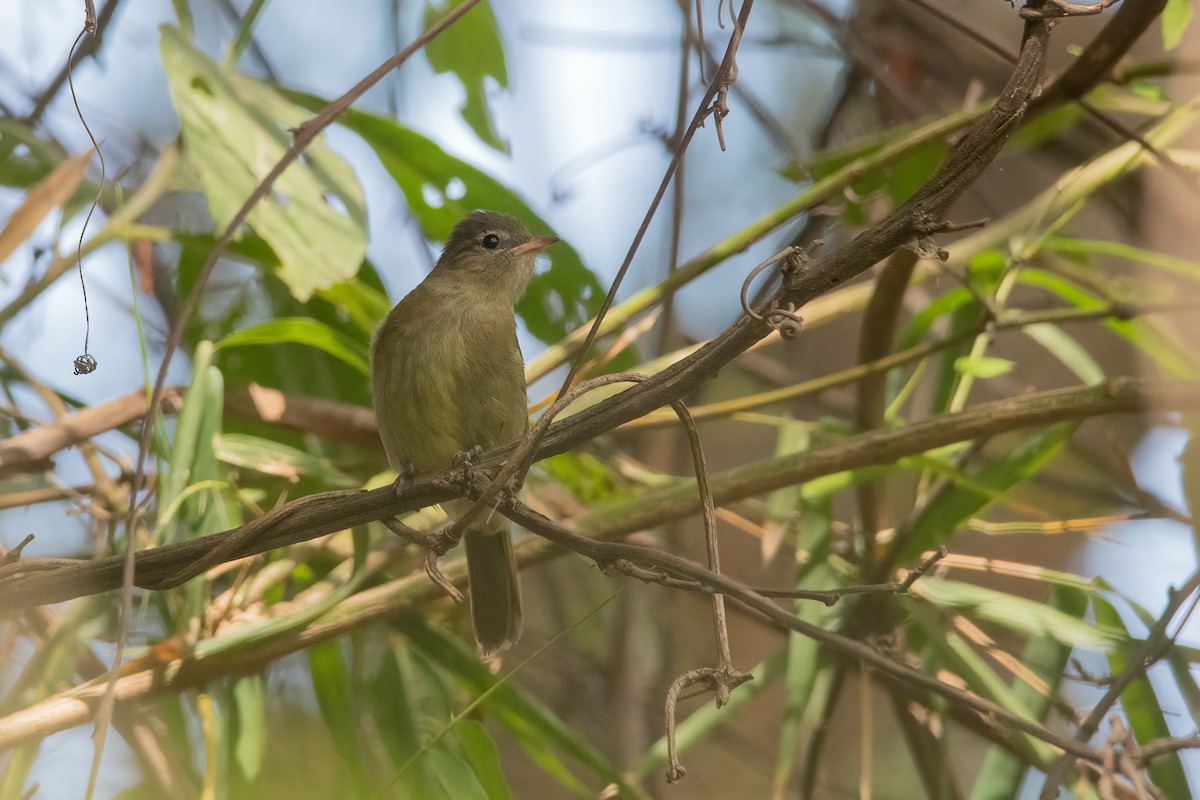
(832, 596)
(698, 118)
(1147, 652)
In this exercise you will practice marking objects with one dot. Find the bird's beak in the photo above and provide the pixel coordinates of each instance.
(535, 245)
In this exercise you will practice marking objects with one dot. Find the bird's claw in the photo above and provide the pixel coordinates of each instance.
(403, 478)
(435, 545)
(466, 457)
(465, 460)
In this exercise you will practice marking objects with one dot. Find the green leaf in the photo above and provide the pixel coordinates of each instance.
(1176, 658)
(804, 654)
(585, 476)
(471, 49)
(249, 734)
(331, 684)
(1067, 350)
(365, 305)
(234, 131)
(1000, 776)
(1140, 333)
(191, 459)
(480, 752)
(945, 648)
(1126, 252)
(537, 729)
(33, 162)
(1142, 709)
(394, 701)
(783, 513)
(272, 458)
(983, 366)
(1175, 19)
(302, 331)
(557, 300)
(1019, 614)
(455, 775)
(920, 323)
(952, 507)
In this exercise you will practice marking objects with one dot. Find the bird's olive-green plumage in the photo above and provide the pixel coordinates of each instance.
(448, 375)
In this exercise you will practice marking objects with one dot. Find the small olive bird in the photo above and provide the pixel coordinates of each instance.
(448, 376)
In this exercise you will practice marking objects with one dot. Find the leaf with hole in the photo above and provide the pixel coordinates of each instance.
(234, 131)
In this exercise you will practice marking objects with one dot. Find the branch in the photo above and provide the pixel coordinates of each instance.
(38, 581)
(161, 670)
(605, 553)
(976, 150)
(28, 451)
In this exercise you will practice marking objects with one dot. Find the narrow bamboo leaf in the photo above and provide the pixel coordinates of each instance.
(919, 325)
(1067, 350)
(1138, 332)
(471, 49)
(1175, 19)
(47, 195)
(272, 458)
(235, 129)
(954, 506)
(803, 653)
(187, 425)
(480, 753)
(947, 470)
(331, 684)
(536, 728)
(963, 319)
(947, 649)
(191, 458)
(301, 331)
(1178, 658)
(783, 505)
(1000, 776)
(1143, 710)
(249, 735)
(455, 775)
(17, 764)
(1019, 614)
(396, 706)
(1127, 252)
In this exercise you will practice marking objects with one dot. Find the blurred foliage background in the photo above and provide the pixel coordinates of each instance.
(329, 669)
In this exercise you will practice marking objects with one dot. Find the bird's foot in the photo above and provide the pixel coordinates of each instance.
(465, 461)
(435, 544)
(405, 477)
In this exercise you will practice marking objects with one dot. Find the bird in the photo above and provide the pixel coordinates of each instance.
(448, 377)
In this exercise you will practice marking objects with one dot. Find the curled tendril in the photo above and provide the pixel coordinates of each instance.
(785, 320)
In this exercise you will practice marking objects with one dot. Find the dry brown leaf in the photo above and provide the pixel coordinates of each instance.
(48, 194)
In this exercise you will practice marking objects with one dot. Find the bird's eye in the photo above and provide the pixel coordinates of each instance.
(491, 241)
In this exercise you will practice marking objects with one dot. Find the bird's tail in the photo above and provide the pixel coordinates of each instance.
(495, 588)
